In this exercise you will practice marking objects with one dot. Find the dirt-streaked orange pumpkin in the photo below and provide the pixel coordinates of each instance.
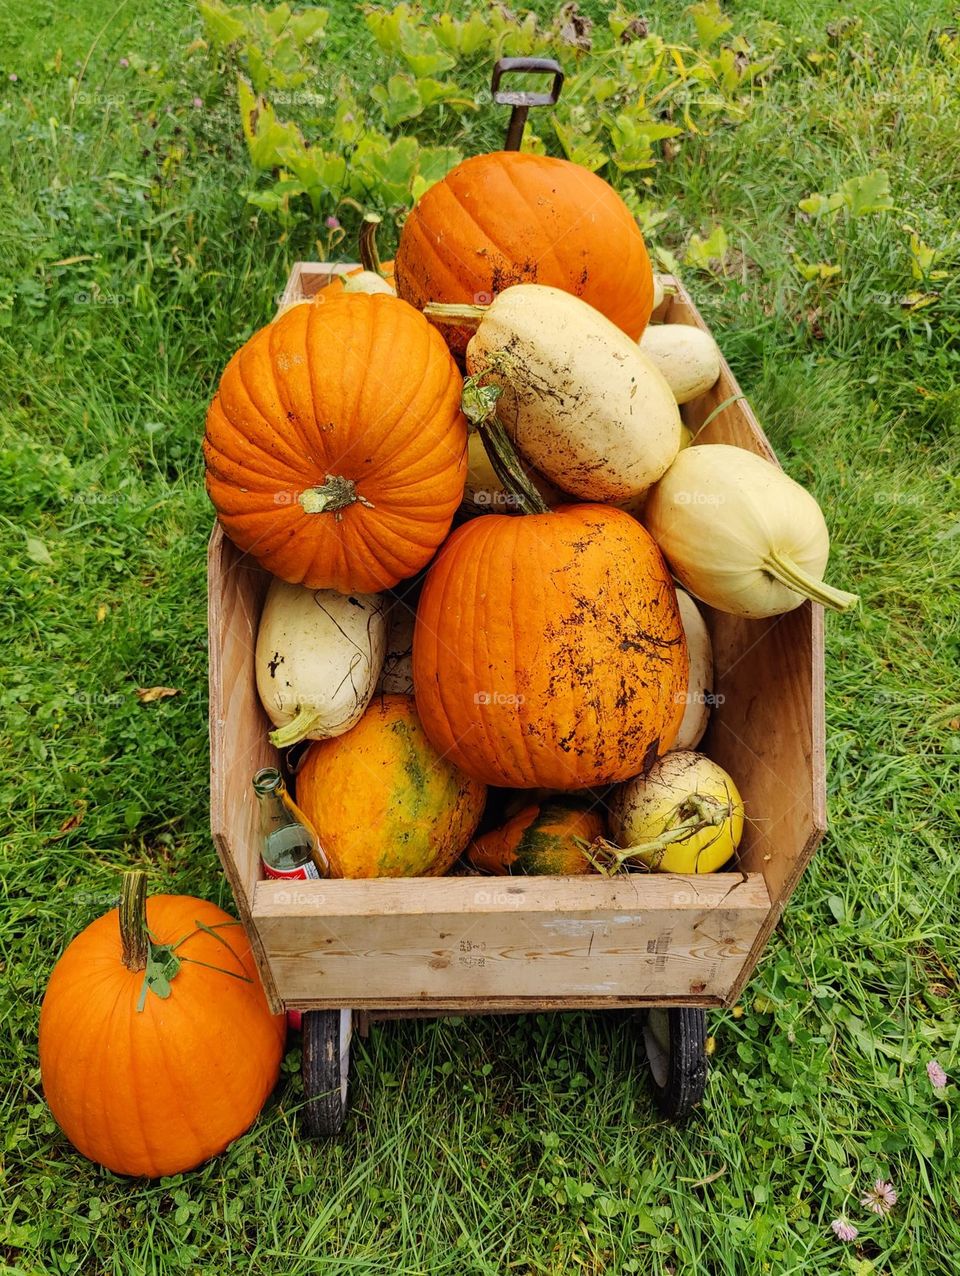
(510, 217)
(148, 1084)
(549, 650)
(383, 801)
(539, 840)
(335, 447)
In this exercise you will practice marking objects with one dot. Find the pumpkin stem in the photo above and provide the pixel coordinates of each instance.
(782, 568)
(479, 403)
(297, 729)
(369, 256)
(455, 312)
(133, 919)
(332, 496)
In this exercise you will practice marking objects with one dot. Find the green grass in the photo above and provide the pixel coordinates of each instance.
(492, 1145)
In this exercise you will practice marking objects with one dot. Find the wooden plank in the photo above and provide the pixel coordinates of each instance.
(308, 277)
(238, 727)
(451, 940)
(768, 728)
(375, 1010)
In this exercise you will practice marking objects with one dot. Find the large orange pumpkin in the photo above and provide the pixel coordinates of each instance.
(549, 650)
(509, 218)
(154, 1080)
(384, 803)
(335, 446)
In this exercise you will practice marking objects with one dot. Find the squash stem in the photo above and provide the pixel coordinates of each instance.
(455, 312)
(782, 568)
(479, 404)
(297, 729)
(369, 256)
(707, 813)
(133, 919)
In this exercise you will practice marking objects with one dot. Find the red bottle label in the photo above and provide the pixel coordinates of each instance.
(302, 873)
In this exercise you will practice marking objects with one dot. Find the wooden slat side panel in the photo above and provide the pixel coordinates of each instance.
(376, 1009)
(235, 589)
(368, 943)
(308, 277)
(767, 730)
(238, 725)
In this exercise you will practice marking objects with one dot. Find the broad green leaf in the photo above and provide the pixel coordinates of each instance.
(384, 171)
(917, 300)
(286, 63)
(517, 40)
(437, 161)
(275, 20)
(220, 23)
(258, 68)
(922, 257)
(267, 138)
(465, 37)
(37, 552)
(816, 269)
(433, 91)
(423, 53)
(348, 122)
(701, 252)
(308, 24)
(643, 1222)
(597, 88)
(867, 194)
(399, 99)
(817, 205)
(710, 21)
(579, 147)
(322, 174)
(387, 24)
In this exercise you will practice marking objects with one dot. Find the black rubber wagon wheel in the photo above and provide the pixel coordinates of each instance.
(676, 1045)
(325, 1068)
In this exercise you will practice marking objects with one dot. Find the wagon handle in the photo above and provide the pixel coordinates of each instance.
(522, 99)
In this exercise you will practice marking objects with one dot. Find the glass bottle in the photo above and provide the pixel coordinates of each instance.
(289, 847)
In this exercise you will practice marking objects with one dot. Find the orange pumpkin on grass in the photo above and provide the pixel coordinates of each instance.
(335, 448)
(152, 1074)
(509, 218)
(549, 650)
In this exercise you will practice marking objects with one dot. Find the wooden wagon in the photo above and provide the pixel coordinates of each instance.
(675, 945)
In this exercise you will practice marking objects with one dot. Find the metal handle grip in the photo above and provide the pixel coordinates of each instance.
(522, 99)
